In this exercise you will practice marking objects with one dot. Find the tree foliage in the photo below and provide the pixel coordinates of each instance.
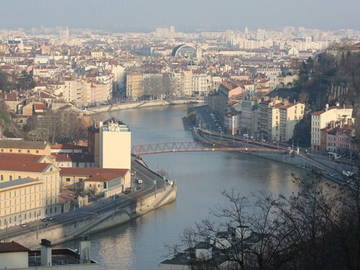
(316, 228)
(22, 81)
(56, 127)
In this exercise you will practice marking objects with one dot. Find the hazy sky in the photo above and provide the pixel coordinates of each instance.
(144, 15)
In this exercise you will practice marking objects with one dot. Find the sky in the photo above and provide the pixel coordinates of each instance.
(185, 15)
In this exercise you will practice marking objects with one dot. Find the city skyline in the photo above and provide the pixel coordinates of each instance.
(124, 16)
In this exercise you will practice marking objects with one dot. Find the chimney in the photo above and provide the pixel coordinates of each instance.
(326, 107)
(84, 249)
(46, 256)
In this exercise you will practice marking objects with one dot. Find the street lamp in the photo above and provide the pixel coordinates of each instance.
(155, 183)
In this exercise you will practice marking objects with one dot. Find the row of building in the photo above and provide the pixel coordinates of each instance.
(38, 180)
(333, 130)
(266, 118)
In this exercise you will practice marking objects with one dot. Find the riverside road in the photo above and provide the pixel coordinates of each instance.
(151, 183)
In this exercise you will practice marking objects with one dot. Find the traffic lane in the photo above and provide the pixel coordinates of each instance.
(68, 217)
(91, 210)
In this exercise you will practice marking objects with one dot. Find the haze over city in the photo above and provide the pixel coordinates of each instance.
(167, 135)
(185, 15)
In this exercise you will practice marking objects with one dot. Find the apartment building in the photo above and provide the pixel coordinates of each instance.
(201, 84)
(339, 140)
(290, 115)
(187, 82)
(322, 119)
(47, 173)
(85, 92)
(25, 147)
(276, 119)
(21, 201)
(106, 181)
(134, 85)
(247, 117)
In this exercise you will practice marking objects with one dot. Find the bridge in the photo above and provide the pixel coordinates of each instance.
(176, 147)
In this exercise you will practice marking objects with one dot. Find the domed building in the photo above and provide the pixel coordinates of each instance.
(185, 51)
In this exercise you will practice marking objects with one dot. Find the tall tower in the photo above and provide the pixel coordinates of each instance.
(114, 145)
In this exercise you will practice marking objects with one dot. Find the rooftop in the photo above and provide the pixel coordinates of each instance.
(22, 165)
(18, 182)
(7, 247)
(20, 144)
(94, 174)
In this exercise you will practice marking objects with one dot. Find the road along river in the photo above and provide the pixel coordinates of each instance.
(200, 178)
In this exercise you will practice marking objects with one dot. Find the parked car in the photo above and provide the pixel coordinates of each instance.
(127, 191)
(140, 181)
(24, 225)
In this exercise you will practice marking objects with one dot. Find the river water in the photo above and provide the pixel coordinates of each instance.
(200, 179)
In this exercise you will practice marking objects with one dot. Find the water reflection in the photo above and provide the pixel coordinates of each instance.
(200, 177)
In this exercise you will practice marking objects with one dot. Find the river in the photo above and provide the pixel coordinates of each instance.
(200, 179)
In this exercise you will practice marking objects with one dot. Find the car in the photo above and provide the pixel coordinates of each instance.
(140, 181)
(127, 191)
(44, 219)
(137, 188)
(24, 225)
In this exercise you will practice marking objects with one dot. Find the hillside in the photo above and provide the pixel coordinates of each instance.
(327, 78)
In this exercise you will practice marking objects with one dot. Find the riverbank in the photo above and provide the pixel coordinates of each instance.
(141, 104)
(330, 171)
(70, 231)
(101, 215)
(200, 179)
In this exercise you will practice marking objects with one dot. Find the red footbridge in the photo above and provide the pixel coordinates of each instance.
(178, 147)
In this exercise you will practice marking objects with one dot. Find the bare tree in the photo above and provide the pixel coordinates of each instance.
(316, 228)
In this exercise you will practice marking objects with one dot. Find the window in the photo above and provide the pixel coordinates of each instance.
(1, 177)
(67, 179)
(10, 150)
(28, 151)
(10, 177)
(19, 151)
(37, 151)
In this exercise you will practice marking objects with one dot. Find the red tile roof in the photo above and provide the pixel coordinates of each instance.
(6, 247)
(23, 157)
(22, 165)
(66, 146)
(94, 174)
(39, 106)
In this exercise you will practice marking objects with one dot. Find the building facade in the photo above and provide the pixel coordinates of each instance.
(322, 119)
(114, 145)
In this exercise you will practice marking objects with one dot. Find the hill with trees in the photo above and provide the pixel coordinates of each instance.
(328, 78)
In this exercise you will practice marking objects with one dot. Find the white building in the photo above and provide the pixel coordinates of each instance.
(201, 84)
(114, 145)
(322, 119)
(290, 115)
(15, 256)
